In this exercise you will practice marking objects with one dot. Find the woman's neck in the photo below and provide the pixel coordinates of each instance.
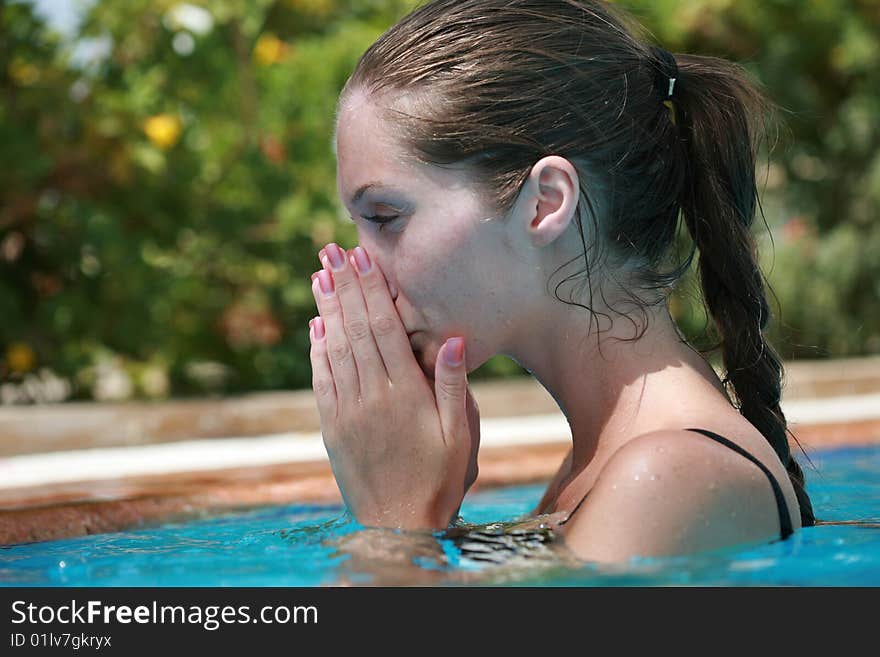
(618, 388)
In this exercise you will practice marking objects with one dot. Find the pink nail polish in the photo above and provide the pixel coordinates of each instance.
(454, 351)
(337, 257)
(319, 327)
(326, 282)
(362, 260)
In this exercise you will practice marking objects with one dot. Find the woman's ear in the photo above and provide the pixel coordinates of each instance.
(548, 200)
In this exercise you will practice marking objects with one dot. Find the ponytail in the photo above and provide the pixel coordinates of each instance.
(714, 103)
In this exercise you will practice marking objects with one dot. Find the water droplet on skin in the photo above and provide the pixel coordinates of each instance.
(636, 477)
(654, 477)
(613, 486)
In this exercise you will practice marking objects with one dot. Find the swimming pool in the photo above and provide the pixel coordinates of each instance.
(296, 546)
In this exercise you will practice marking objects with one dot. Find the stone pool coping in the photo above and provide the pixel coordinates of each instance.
(830, 404)
(78, 425)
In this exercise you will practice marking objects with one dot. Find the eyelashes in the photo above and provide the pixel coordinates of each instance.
(381, 220)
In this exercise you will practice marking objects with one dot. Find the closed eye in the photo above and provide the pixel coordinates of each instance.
(381, 220)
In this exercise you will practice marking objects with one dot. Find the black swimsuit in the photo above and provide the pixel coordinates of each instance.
(495, 543)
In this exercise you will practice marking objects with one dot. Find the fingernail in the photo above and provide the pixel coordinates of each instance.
(319, 327)
(337, 257)
(326, 282)
(454, 351)
(362, 259)
(313, 276)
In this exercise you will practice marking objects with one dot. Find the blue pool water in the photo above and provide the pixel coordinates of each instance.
(297, 546)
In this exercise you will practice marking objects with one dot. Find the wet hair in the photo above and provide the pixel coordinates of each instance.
(495, 85)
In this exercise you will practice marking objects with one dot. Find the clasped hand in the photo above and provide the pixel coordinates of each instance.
(403, 448)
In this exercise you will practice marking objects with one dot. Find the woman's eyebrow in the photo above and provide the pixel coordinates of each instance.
(363, 188)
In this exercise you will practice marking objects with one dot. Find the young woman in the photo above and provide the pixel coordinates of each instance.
(492, 154)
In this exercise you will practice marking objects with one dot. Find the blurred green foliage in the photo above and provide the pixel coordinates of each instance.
(819, 60)
(162, 202)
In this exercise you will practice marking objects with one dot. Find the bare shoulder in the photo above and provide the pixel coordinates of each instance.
(672, 492)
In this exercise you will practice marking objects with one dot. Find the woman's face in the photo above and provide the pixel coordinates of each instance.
(446, 258)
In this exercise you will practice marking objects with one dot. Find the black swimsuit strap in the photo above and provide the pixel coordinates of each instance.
(785, 527)
(784, 518)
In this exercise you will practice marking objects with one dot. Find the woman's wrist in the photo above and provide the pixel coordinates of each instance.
(431, 520)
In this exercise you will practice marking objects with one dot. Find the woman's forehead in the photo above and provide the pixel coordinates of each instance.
(372, 159)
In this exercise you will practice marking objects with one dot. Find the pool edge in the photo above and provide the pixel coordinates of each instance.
(41, 513)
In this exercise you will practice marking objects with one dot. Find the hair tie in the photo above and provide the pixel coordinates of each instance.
(665, 75)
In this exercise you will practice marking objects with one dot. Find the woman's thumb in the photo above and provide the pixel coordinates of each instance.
(450, 386)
